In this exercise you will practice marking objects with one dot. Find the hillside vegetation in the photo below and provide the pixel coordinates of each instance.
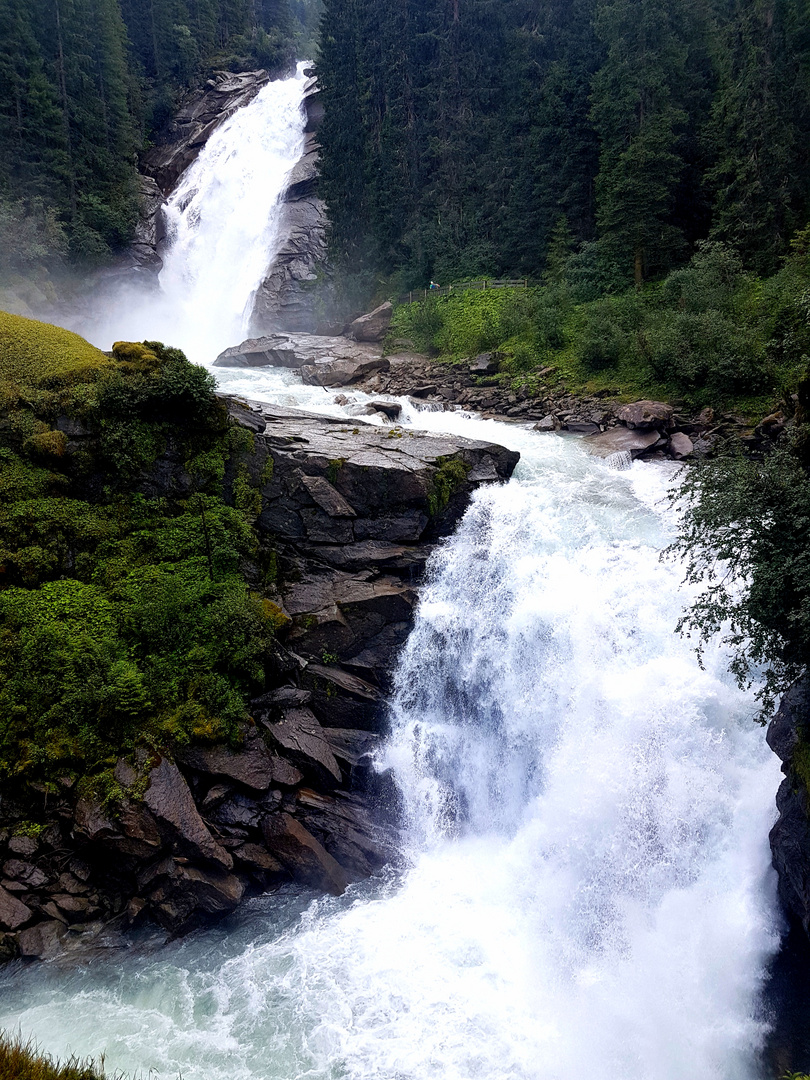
(710, 333)
(125, 616)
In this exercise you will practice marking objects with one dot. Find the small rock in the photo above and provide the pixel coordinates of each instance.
(421, 392)
(23, 845)
(548, 423)
(42, 941)
(391, 409)
(13, 913)
(484, 364)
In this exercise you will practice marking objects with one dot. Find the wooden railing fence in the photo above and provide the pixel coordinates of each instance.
(464, 286)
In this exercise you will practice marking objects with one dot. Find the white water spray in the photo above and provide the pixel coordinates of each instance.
(589, 890)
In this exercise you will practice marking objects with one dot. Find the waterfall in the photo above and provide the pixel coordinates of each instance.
(223, 222)
(587, 887)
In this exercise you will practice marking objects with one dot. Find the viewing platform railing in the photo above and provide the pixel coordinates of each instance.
(446, 290)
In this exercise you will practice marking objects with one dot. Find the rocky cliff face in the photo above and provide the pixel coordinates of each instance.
(286, 298)
(790, 837)
(350, 514)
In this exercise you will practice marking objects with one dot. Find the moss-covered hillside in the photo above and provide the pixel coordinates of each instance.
(126, 618)
(34, 354)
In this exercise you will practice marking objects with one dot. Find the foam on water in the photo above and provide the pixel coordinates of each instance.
(588, 887)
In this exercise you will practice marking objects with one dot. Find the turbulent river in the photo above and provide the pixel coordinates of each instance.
(585, 888)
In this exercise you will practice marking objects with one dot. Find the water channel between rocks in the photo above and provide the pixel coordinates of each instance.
(587, 887)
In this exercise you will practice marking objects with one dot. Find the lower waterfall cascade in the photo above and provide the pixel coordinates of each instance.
(587, 883)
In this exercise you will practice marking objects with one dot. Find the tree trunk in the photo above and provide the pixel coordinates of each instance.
(638, 267)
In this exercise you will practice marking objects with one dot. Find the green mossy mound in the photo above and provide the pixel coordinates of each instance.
(37, 354)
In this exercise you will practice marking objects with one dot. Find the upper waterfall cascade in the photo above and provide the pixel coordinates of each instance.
(223, 232)
(223, 218)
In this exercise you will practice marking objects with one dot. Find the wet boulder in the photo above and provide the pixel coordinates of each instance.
(342, 372)
(304, 857)
(618, 439)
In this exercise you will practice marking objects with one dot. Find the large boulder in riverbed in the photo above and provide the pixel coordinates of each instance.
(618, 439)
(373, 326)
(270, 351)
(646, 415)
(342, 372)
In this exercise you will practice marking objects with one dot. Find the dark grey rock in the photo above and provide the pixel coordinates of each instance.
(373, 326)
(172, 804)
(13, 912)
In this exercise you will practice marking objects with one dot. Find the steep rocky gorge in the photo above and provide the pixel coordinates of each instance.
(284, 300)
(348, 517)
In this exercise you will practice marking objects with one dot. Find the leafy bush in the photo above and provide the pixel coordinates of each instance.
(703, 350)
(745, 536)
(124, 619)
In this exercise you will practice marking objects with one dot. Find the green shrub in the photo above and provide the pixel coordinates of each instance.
(704, 350)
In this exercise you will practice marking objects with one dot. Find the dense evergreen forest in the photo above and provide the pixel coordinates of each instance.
(468, 137)
(84, 84)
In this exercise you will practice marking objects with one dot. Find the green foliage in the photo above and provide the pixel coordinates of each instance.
(745, 537)
(449, 477)
(124, 616)
(710, 332)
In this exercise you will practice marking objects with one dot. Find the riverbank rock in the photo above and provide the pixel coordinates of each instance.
(374, 326)
(619, 439)
(336, 373)
(646, 415)
(304, 351)
(790, 837)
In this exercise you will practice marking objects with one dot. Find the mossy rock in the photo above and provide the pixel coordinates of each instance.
(38, 354)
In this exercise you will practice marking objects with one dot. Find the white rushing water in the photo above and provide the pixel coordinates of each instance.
(588, 889)
(222, 224)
